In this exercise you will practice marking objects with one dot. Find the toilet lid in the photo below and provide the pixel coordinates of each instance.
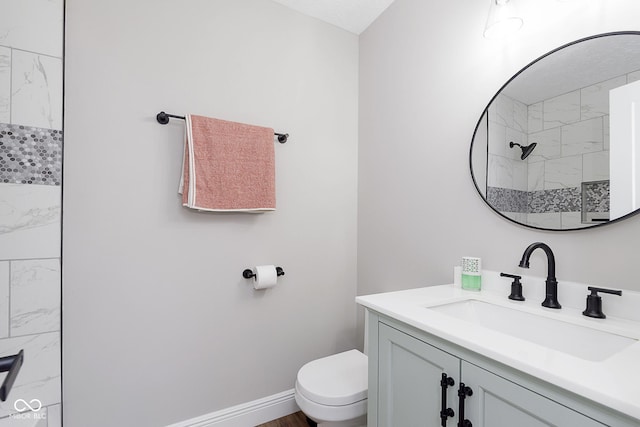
(340, 379)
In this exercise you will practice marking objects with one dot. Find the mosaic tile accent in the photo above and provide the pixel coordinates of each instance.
(596, 196)
(556, 200)
(507, 199)
(551, 201)
(30, 155)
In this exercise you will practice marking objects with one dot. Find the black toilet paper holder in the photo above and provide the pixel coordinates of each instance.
(248, 273)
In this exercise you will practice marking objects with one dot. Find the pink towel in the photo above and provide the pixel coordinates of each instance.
(228, 166)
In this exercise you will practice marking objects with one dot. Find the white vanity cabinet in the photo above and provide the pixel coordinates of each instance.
(406, 368)
(408, 376)
(497, 402)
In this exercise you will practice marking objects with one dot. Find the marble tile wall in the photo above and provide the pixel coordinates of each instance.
(5, 84)
(31, 64)
(507, 123)
(556, 220)
(572, 132)
(506, 173)
(572, 136)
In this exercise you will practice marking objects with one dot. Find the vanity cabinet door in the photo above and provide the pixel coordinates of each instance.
(497, 402)
(409, 376)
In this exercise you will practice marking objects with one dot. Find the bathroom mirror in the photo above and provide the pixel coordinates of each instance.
(554, 149)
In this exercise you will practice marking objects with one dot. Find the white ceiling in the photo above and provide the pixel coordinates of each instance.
(352, 15)
(577, 66)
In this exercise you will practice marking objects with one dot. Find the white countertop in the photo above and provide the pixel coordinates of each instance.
(613, 382)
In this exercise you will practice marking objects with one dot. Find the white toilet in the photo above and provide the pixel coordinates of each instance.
(332, 391)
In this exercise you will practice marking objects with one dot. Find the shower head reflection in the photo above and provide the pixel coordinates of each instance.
(526, 149)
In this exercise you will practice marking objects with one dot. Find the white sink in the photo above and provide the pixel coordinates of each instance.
(576, 340)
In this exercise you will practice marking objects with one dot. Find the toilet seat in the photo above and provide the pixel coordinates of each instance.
(325, 415)
(336, 380)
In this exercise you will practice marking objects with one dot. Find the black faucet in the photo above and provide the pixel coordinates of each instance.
(551, 299)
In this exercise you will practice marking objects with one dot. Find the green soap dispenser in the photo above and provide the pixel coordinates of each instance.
(471, 273)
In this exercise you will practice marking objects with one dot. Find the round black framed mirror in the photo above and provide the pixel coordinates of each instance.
(555, 148)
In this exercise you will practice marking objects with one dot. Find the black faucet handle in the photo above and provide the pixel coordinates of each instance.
(516, 287)
(594, 302)
(594, 291)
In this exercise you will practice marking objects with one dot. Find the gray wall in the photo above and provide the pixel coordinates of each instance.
(426, 74)
(159, 325)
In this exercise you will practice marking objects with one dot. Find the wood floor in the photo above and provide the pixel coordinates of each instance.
(294, 420)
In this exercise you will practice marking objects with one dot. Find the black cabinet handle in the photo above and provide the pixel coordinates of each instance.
(463, 392)
(445, 413)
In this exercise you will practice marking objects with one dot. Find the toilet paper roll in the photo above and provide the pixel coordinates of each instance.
(266, 277)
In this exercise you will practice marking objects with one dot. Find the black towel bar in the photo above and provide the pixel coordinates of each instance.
(163, 119)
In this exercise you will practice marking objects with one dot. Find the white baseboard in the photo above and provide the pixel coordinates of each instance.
(248, 414)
